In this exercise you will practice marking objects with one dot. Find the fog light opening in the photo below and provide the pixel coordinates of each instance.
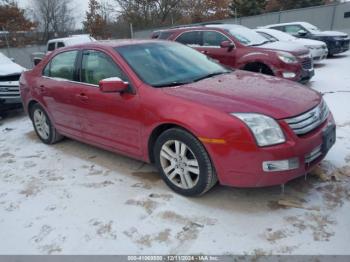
(281, 165)
(289, 75)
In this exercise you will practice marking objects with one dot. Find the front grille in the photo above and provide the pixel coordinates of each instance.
(313, 155)
(9, 90)
(310, 120)
(9, 78)
(307, 63)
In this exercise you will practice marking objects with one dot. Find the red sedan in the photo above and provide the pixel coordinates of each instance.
(165, 103)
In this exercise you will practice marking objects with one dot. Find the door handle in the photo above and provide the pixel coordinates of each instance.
(82, 97)
(205, 52)
(41, 88)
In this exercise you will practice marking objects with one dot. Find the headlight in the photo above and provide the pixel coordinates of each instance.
(287, 58)
(266, 130)
(312, 47)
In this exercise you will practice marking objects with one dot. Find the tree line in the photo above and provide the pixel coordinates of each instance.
(113, 18)
(144, 14)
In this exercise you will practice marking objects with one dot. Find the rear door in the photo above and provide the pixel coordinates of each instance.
(60, 93)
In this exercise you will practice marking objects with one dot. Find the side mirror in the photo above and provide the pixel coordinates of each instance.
(37, 61)
(227, 44)
(113, 85)
(302, 33)
(12, 59)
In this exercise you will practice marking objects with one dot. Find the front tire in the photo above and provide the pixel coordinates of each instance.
(43, 127)
(183, 163)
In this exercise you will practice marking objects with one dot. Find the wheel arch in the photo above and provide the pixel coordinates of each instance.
(30, 106)
(157, 131)
(250, 66)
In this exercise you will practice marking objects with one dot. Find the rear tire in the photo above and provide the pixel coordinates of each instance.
(183, 163)
(43, 127)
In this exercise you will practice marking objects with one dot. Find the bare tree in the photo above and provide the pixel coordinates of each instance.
(143, 13)
(55, 17)
(96, 21)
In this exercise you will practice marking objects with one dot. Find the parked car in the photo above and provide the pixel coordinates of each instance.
(10, 73)
(318, 49)
(165, 103)
(337, 42)
(240, 47)
(56, 43)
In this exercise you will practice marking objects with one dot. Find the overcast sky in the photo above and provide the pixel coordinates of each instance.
(79, 5)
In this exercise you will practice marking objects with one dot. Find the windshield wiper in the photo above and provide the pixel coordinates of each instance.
(175, 83)
(211, 75)
(262, 43)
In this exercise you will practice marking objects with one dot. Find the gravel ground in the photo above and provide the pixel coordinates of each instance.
(72, 198)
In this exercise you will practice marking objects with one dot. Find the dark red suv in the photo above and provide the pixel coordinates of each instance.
(240, 47)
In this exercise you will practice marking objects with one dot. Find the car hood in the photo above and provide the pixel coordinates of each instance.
(10, 69)
(330, 33)
(242, 92)
(309, 42)
(287, 47)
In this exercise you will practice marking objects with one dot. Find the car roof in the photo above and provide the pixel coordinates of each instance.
(289, 23)
(200, 27)
(72, 39)
(114, 43)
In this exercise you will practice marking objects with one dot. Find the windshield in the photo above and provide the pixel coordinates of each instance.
(4, 59)
(247, 36)
(280, 35)
(311, 27)
(163, 64)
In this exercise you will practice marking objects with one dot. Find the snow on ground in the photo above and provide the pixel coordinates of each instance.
(73, 198)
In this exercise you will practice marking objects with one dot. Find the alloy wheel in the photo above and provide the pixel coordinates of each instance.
(179, 164)
(41, 124)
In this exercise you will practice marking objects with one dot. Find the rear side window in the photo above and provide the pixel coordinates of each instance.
(190, 38)
(60, 44)
(62, 66)
(164, 35)
(214, 39)
(51, 46)
(97, 65)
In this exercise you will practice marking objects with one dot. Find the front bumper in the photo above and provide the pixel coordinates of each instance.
(241, 165)
(319, 54)
(300, 72)
(9, 95)
(338, 47)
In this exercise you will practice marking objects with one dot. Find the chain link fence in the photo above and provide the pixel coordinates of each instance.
(328, 17)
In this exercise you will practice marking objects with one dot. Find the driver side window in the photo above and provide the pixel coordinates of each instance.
(97, 65)
(292, 29)
(213, 39)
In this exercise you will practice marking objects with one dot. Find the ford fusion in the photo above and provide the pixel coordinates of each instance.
(165, 103)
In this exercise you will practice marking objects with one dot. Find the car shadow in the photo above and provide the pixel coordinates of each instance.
(319, 65)
(146, 177)
(337, 56)
(11, 115)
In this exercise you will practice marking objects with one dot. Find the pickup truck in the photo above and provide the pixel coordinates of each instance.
(56, 43)
(10, 73)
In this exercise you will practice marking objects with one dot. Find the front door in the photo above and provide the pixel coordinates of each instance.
(109, 119)
(211, 46)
